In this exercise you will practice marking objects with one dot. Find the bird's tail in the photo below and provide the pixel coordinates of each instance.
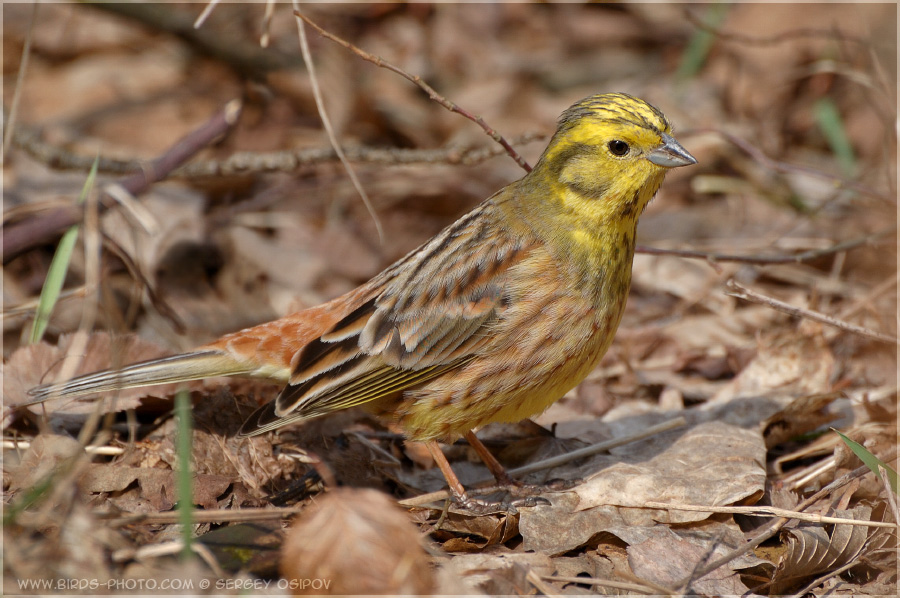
(166, 370)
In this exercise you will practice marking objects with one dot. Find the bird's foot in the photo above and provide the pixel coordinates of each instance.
(477, 506)
(524, 489)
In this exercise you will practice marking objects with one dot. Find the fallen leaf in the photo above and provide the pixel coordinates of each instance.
(355, 541)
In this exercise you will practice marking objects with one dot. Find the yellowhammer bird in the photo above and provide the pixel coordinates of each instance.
(492, 320)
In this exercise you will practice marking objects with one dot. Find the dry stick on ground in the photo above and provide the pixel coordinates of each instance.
(741, 292)
(805, 256)
(243, 515)
(207, 10)
(24, 235)
(28, 138)
(267, 24)
(434, 95)
(889, 492)
(768, 512)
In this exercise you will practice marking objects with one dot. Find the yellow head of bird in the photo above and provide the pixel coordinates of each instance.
(609, 155)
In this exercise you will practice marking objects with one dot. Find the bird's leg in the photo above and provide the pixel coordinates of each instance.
(458, 491)
(516, 487)
(494, 466)
(456, 488)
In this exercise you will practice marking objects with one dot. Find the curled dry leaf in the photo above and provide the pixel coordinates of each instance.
(465, 533)
(812, 550)
(355, 541)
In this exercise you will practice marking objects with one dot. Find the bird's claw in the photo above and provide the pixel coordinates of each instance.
(475, 506)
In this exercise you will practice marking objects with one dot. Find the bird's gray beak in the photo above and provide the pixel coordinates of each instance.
(670, 154)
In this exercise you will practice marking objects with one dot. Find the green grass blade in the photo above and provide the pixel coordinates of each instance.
(870, 460)
(59, 266)
(184, 482)
(828, 117)
(701, 42)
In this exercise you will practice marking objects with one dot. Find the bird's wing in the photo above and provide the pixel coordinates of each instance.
(433, 311)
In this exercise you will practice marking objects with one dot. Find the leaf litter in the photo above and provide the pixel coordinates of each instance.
(757, 388)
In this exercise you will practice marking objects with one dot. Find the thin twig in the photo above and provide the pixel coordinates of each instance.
(889, 492)
(165, 549)
(805, 256)
(90, 306)
(762, 511)
(538, 582)
(267, 24)
(599, 447)
(434, 95)
(200, 516)
(326, 122)
(809, 474)
(207, 10)
(159, 304)
(90, 449)
(741, 292)
(59, 157)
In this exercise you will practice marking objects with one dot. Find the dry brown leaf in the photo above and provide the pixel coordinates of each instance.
(812, 550)
(711, 463)
(562, 527)
(355, 541)
(714, 462)
(476, 533)
(788, 364)
(157, 485)
(665, 556)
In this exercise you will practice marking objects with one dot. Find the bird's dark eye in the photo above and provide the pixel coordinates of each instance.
(618, 147)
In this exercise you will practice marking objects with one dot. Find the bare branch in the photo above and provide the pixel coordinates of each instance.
(812, 254)
(379, 61)
(742, 292)
(21, 236)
